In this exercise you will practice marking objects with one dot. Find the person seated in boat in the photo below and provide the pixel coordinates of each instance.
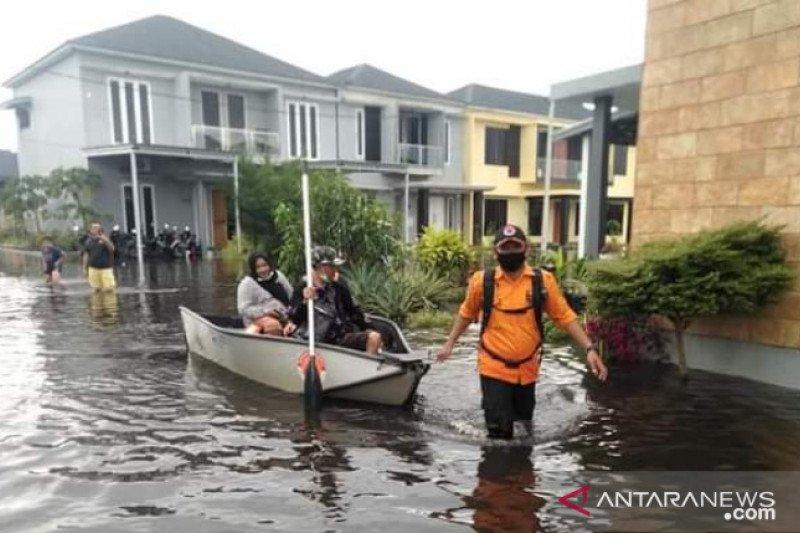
(338, 320)
(262, 296)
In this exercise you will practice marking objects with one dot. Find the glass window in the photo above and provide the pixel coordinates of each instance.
(535, 209)
(496, 215)
(116, 112)
(620, 159)
(447, 142)
(360, 133)
(303, 130)
(236, 111)
(495, 146)
(144, 114)
(129, 102)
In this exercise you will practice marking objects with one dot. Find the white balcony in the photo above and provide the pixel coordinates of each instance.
(419, 154)
(243, 141)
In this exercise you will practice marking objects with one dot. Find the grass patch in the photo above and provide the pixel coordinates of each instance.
(430, 319)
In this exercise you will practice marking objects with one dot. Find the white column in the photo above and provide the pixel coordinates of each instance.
(582, 200)
(137, 217)
(406, 208)
(548, 171)
(237, 213)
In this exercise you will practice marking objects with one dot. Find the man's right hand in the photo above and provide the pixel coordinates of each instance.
(445, 352)
(289, 328)
(309, 293)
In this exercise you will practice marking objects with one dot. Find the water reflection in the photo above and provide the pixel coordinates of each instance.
(106, 424)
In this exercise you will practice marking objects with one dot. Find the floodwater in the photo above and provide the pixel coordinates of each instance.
(107, 425)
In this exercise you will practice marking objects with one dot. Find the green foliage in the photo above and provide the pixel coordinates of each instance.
(261, 189)
(735, 270)
(430, 319)
(395, 290)
(613, 227)
(25, 196)
(444, 251)
(571, 273)
(75, 188)
(342, 217)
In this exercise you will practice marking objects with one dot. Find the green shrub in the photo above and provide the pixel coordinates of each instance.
(734, 270)
(445, 251)
(430, 319)
(613, 227)
(342, 217)
(395, 290)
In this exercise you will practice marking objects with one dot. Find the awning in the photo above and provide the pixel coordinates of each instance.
(18, 102)
(445, 187)
(159, 150)
(623, 125)
(621, 84)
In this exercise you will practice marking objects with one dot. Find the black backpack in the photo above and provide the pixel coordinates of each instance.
(538, 296)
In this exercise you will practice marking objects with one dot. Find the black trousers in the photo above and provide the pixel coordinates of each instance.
(503, 403)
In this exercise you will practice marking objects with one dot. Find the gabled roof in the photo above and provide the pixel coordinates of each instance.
(8, 164)
(494, 98)
(366, 76)
(168, 38)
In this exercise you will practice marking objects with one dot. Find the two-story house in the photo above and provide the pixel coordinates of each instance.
(184, 100)
(505, 141)
(402, 142)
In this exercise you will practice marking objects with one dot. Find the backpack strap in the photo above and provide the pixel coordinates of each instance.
(538, 295)
(488, 297)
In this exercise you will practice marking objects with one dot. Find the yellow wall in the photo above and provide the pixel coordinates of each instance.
(516, 190)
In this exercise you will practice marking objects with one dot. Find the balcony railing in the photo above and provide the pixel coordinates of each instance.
(245, 141)
(419, 154)
(562, 170)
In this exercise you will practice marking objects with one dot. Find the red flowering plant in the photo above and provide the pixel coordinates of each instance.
(625, 339)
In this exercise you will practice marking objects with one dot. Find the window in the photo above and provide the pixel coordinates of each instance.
(303, 130)
(496, 214)
(360, 133)
(620, 159)
(495, 146)
(615, 211)
(236, 111)
(450, 217)
(131, 111)
(447, 142)
(535, 210)
(577, 217)
(502, 148)
(23, 118)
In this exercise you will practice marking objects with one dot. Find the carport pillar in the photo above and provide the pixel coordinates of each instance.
(548, 176)
(237, 213)
(597, 178)
(137, 217)
(406, 208)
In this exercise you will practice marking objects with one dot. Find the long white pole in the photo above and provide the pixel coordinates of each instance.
(548, 171)
(307, 246)
(237, 213)
(137, 217)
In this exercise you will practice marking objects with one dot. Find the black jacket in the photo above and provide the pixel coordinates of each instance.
(350, 317)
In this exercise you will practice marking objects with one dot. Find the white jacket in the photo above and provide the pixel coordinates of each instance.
(253, 301)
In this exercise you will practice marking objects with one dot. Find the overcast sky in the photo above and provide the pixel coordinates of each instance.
(522, 45)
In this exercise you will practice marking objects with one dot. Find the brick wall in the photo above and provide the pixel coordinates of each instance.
(719, 133)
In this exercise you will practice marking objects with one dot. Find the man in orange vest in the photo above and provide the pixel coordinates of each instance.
(509, 352)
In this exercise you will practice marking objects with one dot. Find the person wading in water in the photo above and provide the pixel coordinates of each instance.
(509, 352)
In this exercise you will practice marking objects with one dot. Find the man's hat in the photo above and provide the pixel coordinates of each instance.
(510, 232)
(325, 255)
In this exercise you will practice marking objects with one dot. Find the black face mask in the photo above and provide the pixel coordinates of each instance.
(511, 262)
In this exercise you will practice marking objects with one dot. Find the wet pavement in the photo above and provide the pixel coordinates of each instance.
(107, 425)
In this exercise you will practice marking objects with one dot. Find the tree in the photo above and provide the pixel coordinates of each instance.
(342, 217)
(25, 196)
(734, 270)
(75, 187)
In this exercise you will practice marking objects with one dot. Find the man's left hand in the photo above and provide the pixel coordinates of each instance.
(596, 365)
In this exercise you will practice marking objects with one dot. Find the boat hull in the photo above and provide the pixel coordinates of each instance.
(272, 361)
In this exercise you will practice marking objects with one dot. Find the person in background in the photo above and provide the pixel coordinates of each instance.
(52, 260)
(347, 325)
(98, 259)
(509, 349)
(116, 238)
(262, 296)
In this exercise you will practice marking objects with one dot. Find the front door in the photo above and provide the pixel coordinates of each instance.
(219, 214)
(148, 207)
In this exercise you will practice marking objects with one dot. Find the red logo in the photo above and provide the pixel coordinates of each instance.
(583, 493)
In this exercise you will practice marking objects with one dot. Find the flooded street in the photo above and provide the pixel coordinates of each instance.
(107, 425)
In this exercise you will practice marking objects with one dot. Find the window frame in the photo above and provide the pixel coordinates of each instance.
(448, 134)
(307, 124)
(499, 201)
(26, 111)
(360, 137)
(502, 161)
(137, 110)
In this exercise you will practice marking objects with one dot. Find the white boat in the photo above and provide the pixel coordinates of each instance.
(390, 378)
